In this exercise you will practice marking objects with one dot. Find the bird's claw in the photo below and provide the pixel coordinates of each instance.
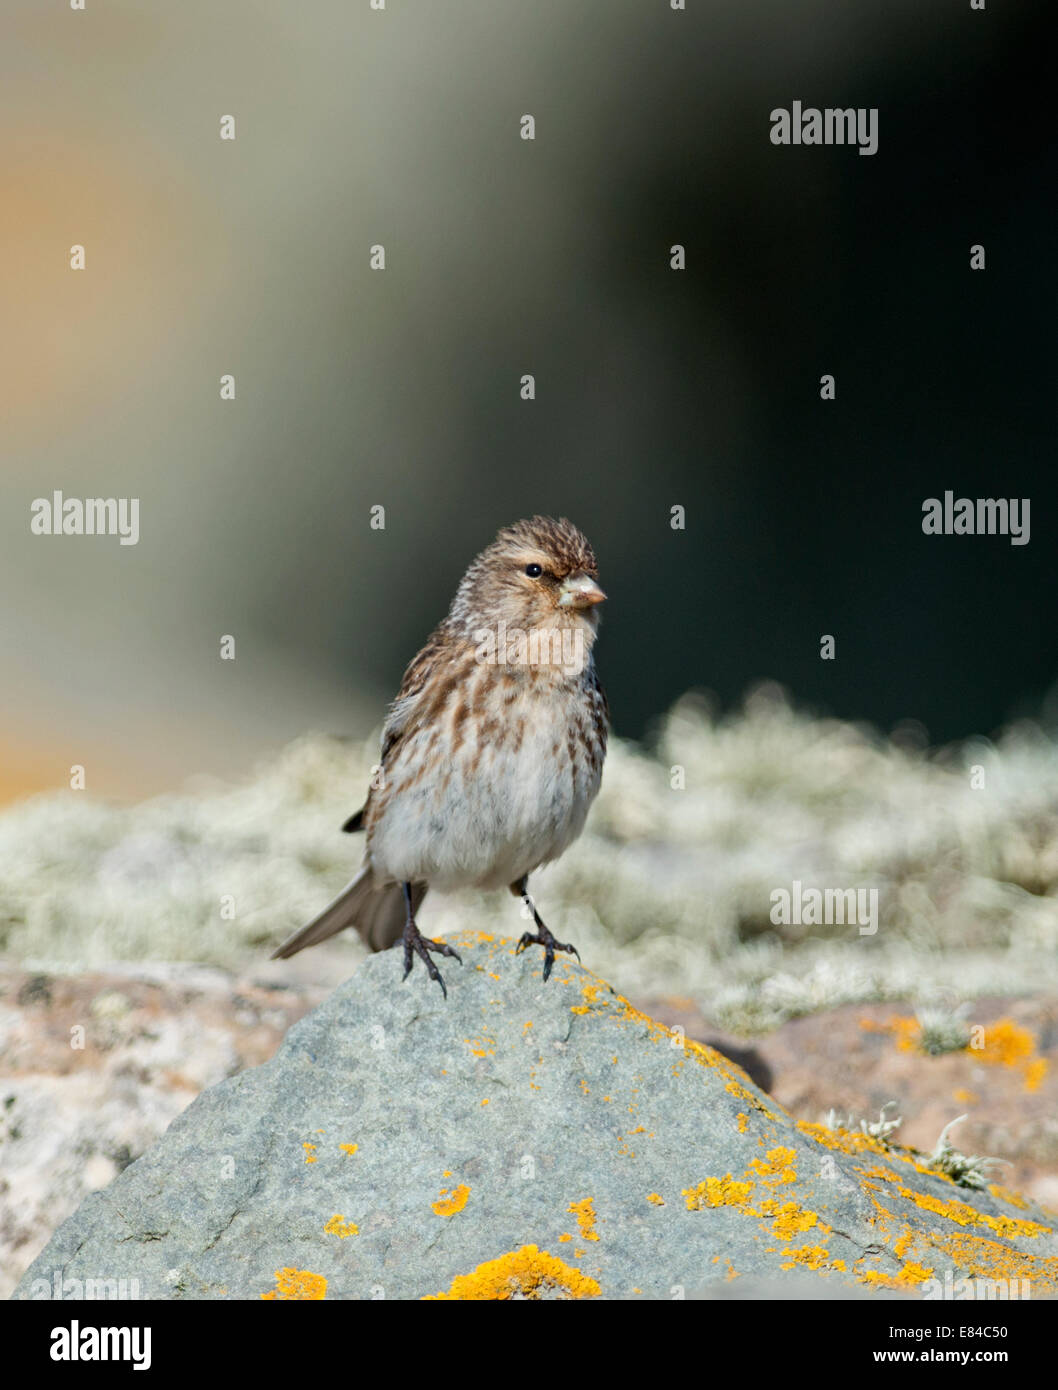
(544, 938)
(415, 944)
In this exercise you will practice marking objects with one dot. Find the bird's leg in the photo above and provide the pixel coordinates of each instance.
(543, 937)
(415, 944)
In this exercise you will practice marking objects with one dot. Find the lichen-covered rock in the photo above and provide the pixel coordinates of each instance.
(94, 1067)
(1000, 1075)
(520, 1140)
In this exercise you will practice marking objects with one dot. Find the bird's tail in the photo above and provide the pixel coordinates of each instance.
(376, 910)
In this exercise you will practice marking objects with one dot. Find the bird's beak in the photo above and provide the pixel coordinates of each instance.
(578, 591)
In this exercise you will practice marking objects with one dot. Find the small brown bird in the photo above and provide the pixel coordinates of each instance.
(492, 751)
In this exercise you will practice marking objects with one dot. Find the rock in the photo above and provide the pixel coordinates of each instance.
(861, 1057)
(94, 1067)
(521, 1140)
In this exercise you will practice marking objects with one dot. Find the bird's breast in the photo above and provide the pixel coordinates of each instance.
(498, 783)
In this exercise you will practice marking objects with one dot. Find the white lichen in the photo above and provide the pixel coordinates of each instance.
(881, 1129)
(667, 892)
(968, 1170)
(943, 1029)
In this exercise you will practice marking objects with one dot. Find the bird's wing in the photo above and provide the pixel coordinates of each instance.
(401, 713)
(602, 701)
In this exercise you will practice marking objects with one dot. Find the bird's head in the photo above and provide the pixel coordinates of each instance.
(538, 575)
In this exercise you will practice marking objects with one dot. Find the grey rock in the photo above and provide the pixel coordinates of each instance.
(517, 1115)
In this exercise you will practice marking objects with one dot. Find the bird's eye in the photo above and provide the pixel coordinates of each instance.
(534, 571)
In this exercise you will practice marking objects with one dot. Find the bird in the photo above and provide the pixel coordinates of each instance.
(492, 752)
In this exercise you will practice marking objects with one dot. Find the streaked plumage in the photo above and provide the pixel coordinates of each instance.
(492, 752)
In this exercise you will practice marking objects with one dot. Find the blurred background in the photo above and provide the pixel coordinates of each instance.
(357, 388)
(921, 763)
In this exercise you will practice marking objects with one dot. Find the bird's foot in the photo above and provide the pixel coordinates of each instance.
(544, 938)
(415, 944)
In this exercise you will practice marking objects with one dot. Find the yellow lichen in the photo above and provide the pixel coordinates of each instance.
(584, 1211)
(908, 1033)
(962, 1214)
(348, 1148)
(900, 1248)
(777, 1169)
(655, 1199)
(448, 1204)
(338, 1226)
(1006, 1044)
(297, 1284)
(977, 1254)
(877, 1171)
(718, 1192)
(907, 1278)
(615, 1006)
(980, 1258)
(590, 994)
(810, 1256)
(765, 1191)
(1035, 1070)
(844, 1140)
(525, 1273)
(791, 1219)
(1005, 1195)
